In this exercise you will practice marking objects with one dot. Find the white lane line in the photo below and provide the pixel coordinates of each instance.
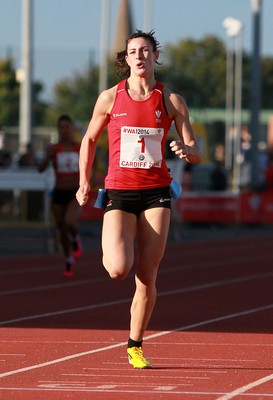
(218, 283)
(53, 286)
(123, 390)
(95, 390)
(59, 360)
(70, 310)
(84, 282)
(104, 279)
(51, 265)
(24, 271)
(213, 320)
(123, 301)
(180, 377)
(243, 389)
(152, 336)
(157, 371)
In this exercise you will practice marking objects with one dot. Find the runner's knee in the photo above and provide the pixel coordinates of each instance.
(117, 271)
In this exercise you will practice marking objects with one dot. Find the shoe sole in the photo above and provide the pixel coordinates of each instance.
(146, 367)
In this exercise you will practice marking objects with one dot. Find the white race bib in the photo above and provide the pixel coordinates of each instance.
(68, 162)
(140, 147)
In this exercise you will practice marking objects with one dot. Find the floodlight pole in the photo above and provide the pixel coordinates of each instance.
(255, 94)
(229, 103)
(233, 100)
(237, 112)
(104, 34)
(25, 118)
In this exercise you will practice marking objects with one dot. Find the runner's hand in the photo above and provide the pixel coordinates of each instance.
(179, 148)
(83, 194)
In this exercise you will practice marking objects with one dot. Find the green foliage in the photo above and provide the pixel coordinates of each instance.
(9, 94)
(267, 82)
(196, 69)
(75, 97)
(39, 107)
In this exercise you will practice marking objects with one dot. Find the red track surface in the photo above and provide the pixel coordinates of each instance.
(210, 336)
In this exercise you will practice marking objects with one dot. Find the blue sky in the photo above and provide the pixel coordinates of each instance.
(67, 32)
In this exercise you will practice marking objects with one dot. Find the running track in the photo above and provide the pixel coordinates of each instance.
(210, 336)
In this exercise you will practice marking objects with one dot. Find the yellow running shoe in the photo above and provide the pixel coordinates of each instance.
(137, 359)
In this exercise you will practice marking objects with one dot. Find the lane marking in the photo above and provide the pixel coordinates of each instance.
(128, 300)
(161, 271)
(181, 377)
(94, 390)
(245, 388)
(54, 286)
(157, 371)
(165, 388)
(152, 336)
(59, 360)
(217, 283)
(198, 287)
(70, 310)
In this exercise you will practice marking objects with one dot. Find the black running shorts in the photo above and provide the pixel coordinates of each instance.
(137, 201)
(63, 197)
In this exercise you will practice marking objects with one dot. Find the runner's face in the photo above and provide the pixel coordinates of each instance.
(140, 56)
(65, 129)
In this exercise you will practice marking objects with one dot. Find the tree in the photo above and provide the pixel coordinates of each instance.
(196, 69)
(75, 97)
(9, 94)
(267, 82)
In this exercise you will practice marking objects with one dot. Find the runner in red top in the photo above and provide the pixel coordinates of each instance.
(138, 112)
(64, 157)
(137, 140)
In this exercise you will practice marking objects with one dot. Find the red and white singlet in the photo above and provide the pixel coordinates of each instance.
(66, 162)
(137, 132)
